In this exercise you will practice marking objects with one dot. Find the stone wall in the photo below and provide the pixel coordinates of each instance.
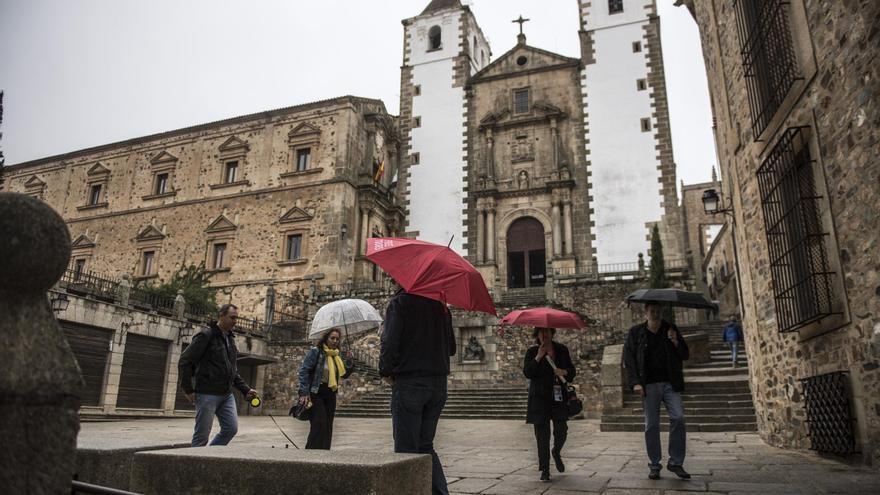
(719, 269)
(834, 103)
(119, 322)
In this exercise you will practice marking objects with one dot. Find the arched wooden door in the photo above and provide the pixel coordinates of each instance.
(526, 256)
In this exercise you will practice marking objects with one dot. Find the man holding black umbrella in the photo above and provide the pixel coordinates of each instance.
(653, 356)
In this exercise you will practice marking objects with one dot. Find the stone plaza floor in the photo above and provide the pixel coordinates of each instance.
(499, 457)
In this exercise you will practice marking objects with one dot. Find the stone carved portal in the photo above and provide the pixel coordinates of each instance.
(526, 254)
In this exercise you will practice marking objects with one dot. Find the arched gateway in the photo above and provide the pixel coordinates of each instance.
(526, 254)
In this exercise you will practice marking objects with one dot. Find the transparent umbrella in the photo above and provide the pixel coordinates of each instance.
(353, 316)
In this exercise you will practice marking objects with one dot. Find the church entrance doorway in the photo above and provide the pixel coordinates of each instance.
(526, 260)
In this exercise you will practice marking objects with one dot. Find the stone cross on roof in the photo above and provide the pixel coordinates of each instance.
(521, 21)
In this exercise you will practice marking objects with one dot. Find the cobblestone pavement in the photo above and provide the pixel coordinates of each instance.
(499, 457)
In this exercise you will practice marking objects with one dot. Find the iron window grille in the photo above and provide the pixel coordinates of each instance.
(768, 58)
(802, 277)
(829, 416)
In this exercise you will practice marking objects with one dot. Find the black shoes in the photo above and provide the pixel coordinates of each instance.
(679, 471)
(654, 474)
(557, 458)
(545, 475)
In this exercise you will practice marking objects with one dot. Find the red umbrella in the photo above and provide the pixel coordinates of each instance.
(544, 318)
(432, 271)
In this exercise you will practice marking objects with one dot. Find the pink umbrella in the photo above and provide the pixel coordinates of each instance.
(431, 270)
(544, 318)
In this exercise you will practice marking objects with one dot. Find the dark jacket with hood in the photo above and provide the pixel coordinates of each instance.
(418, 338)
(541, 407)
(634, 355)
(208, 365)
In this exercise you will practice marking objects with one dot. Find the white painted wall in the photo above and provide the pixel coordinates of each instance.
(437, 184)
(625, 181)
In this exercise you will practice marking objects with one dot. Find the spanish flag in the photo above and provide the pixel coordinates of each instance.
(379, 171)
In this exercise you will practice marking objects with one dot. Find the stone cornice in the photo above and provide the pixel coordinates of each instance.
(242, 119)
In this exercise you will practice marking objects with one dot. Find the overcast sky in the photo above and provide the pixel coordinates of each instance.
(80, 73)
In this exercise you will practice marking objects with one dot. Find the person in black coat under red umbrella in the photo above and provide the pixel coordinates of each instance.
(546, 399)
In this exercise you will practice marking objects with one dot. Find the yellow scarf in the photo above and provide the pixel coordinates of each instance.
(334, 363)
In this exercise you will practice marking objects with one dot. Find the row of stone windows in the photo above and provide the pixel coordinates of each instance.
(96, 188)
(303, 141)
(292, 251)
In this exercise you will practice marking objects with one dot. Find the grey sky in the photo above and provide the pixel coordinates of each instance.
(80, 73)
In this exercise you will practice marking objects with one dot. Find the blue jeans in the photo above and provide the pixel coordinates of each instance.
(207, 406)
(416, 404)
(654, 394)
(733, 348)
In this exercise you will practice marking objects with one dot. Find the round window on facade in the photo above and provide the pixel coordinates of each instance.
(522, 60)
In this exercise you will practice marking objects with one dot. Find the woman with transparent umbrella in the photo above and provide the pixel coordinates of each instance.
(323, 367)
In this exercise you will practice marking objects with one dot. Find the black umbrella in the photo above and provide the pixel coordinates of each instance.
(672, 297)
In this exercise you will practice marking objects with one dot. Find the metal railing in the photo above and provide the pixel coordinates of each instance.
(364, 357)
(89, 283)
(615, 269)
(145, 299)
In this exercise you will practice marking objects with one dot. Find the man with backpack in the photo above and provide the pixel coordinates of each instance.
(208, 371)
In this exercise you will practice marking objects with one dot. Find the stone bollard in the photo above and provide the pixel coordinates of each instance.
(40, 385)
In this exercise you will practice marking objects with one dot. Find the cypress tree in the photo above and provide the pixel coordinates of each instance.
(657, 273)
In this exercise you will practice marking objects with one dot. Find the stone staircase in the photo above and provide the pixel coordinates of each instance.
(530, 296)
(495, 403)
(716, 397)
(490, 403)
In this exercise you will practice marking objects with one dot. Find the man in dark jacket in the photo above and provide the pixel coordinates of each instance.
(211, 360)
(653, 355)
(414, 357)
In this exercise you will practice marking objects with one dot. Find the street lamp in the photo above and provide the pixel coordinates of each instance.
(184, 331)
(711, 200)
(60, 302)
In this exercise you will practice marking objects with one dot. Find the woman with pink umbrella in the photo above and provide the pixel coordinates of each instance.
(548, 366)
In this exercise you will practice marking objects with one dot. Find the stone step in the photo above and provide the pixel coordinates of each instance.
(711, 371)
(446, 415)
(738, 395)
(689, 418)
(704, 404)
(700, 382)
(719, 363)
(691, 427)
(700, 411)
(485, 407)
(467, 398)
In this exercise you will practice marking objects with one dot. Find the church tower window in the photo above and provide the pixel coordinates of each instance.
(434, 39)
(615, 6)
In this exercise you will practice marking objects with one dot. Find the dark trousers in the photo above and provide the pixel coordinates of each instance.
(416, 404)
(321, 420)
(542, 435)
